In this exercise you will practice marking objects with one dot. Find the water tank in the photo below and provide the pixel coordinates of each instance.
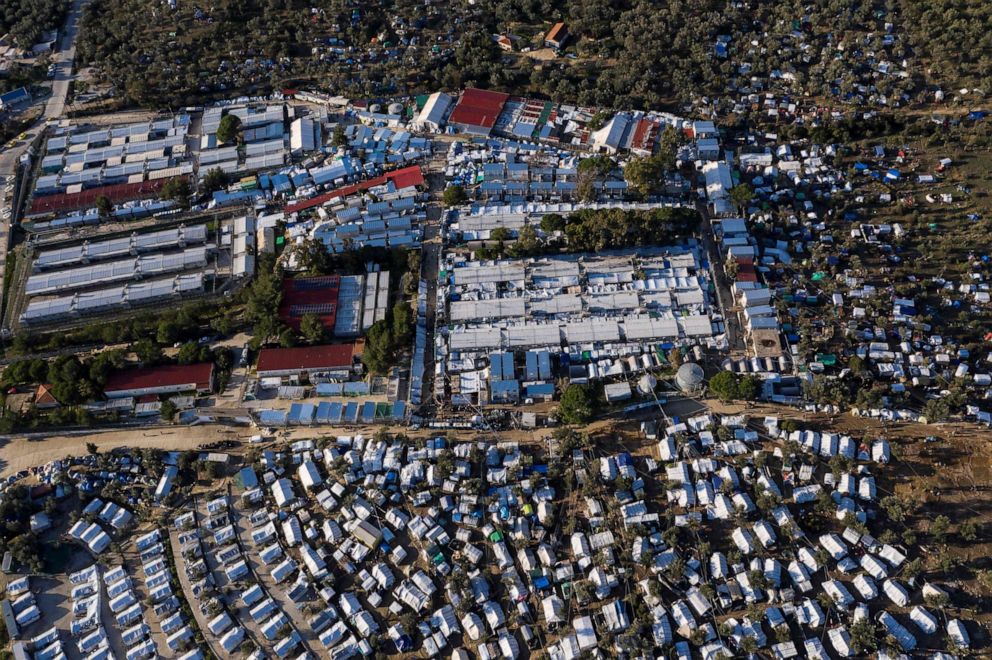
(396, 108)
(689, 377)
(646, 384)
(375, 107)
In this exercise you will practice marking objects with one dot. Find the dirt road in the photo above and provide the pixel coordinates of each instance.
(19, 453)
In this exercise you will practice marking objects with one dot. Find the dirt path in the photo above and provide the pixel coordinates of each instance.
(19, 453)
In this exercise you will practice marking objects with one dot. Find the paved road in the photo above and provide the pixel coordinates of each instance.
(430, 254)
(721, 284)
(63, 62)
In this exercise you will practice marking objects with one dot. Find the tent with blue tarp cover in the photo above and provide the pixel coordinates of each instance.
(403, 643)
(224, 198)
(323, 415)
(301, 414)
(540, 390)
(247, 479)
(272, 417)
(330, 389)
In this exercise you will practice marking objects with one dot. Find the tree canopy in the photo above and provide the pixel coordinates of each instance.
(227, 130)
(25, 20)
(578, 404)
(728, 386)
(454, 196)
(215, 179)
(630, 53)
(178, 190)
(311, 328)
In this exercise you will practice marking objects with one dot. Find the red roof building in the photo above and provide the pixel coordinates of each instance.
(645, 134)
(44, 399)
(403, 178)
(335, 361)
(477, 111)
(745, 271)
(165, 379)
(557, 36)
(310, 295)
(122, 192)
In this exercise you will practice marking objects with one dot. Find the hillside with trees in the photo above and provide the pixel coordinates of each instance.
(632, 53)
(26, 20)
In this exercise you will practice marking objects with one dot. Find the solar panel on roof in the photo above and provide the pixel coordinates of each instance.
(320, 309)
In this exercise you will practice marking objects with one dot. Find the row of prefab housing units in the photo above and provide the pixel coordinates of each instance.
(78, 158)
(138, 269)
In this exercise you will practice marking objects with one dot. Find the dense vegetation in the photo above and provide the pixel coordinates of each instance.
(630, 53)
(25, 20)
(74, 381)
(578, 405)
(728, 386)
(955, 39)
(591, 230)
(16, 509)
(387, 338)
(158, 56)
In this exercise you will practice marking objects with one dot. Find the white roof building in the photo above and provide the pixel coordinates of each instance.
(432, 115)
(282, 491)
(309, 474)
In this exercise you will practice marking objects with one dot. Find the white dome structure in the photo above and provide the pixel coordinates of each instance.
(689, 377)
(646, 384)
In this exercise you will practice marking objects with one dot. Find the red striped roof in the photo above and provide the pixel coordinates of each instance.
(166, 376)
(402, 178)
(644, 135)
(478, 107)
(745, 271)
(328, 356)
(315, 295)
(122, 192)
